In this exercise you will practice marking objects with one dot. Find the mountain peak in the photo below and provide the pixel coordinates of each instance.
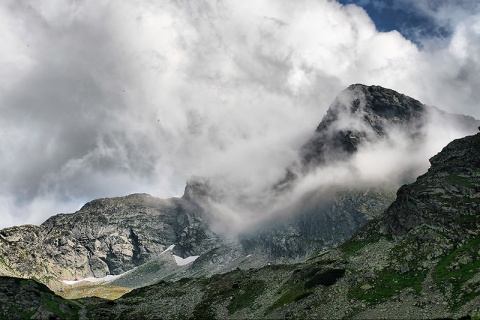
(362, 114)
(197, 188)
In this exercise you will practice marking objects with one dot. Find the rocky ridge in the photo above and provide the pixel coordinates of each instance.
(447, 196)
(106, 236)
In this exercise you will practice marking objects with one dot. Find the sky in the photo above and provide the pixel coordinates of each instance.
(104, 98)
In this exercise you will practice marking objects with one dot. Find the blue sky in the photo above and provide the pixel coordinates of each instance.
(412, 23)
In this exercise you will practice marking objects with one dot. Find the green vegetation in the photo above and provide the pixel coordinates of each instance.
(353, 246)
(303, 283)
(25, 298)
(151, 267)
(291, 293)
(468, 219)
(52, 305)
(242, 293)
(16, 310)
(467, 182)
(169, 277)
(47, 279)
(387, 284)
(457, 268)
(246, 296)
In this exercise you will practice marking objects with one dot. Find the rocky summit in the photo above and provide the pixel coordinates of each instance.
(362, 114)
(413, 255)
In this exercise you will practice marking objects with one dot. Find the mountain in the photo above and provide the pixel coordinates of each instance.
(397, 266)
(133, 236)
(106, 236)
(137, 240)
(412, 262)
(446, 197)
(365, 114)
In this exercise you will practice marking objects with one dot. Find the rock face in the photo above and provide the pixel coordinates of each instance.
(106, 236)
(363, 114)
(319, 224)
(447, 196)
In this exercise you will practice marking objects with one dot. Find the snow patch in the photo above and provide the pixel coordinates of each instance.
(107, 278)
(182, 262)
(168, 249)
(93, 279)
(179, 260)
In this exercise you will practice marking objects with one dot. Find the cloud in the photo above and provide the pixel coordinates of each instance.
(100, 98)
(380, 161)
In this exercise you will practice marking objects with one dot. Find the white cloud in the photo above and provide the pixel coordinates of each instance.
(103, 98)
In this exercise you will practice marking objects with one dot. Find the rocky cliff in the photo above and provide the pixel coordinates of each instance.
(364, 114)
(446, 197)
(106, 236)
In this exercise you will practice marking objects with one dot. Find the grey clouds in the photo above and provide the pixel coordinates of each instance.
(107, 98)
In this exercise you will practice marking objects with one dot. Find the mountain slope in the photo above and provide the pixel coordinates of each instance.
(132, 233)
(107, 236)
(447, 196)
(427, 270)
(420, 259)
(27, 299)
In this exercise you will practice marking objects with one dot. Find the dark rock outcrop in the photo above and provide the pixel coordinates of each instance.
(447, 196)
(367, 114)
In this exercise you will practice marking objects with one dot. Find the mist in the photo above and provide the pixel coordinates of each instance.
(102, 99)
(385, 161)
